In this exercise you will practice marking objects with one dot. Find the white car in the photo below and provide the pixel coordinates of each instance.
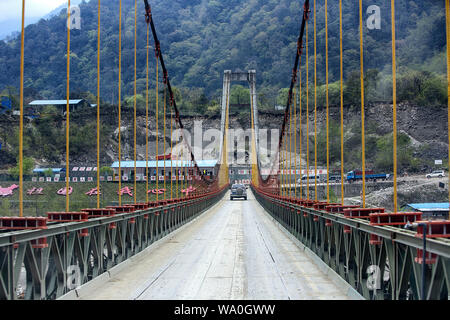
(436, 174)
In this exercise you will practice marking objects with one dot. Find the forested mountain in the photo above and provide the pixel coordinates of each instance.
(202, 38)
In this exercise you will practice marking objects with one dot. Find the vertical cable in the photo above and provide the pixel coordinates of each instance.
(68, 107)
(295, 144)
(280, 174)
(177, 175)
(283, 172)
(342, 101)
(253, 150)
(394, 99)
(307, 115)
(283, 185)
(326, 71)
(285, 165)
(22, 55)
(98, 105)
(300, 121)
(157, 136)
(171, 162)
(120, 100)
(135, 127)
(290, 149)
(363, 147)
(146, 117)
(315, 104)
(164, 135)
(186, 182)
(447, 24)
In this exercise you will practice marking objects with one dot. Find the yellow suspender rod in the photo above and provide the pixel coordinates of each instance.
(98, 106)
(295, 144)
(280, 176)
(307, 115)
(146, 119)
(447, 24)
(315, 104)
(164, 137)
(326, 71)
(394, 99)
(157, 136)
(342, 102)
(120, 98)
(171, 162)
(135, 36)
(290, 149)
(22, 51)
(363, 147)
(68, 109)
(300, 121)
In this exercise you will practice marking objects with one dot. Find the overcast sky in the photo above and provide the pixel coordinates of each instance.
(12, 9)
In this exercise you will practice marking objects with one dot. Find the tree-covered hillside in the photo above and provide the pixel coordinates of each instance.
(202, 38)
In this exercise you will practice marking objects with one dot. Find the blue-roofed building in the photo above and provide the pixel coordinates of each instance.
(42, 170)
(74, 104)
(208, 168)
(432, 210)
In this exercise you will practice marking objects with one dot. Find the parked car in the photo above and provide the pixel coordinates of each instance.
(436, 174)
(238, 191)
(335, 178)
(304, 179)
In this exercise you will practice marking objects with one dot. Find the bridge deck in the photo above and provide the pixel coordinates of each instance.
(233, 251)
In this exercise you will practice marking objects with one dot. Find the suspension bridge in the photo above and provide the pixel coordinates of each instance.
(285, 242)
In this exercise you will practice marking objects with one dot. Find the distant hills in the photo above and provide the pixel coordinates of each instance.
(10, 28)
(202, 38)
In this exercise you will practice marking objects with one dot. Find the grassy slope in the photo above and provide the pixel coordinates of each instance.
(51, 201)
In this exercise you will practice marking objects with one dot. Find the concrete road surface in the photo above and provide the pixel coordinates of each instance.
(233, 251)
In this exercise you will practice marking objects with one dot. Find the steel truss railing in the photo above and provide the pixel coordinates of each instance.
(386, 270)
(90, 248)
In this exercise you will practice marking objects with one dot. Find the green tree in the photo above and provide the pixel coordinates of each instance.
(106, 171)
(48, 172)
(28, 165)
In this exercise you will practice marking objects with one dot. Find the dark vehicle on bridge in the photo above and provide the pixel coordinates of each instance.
(335, 178)
(238, 191)
(356, 175)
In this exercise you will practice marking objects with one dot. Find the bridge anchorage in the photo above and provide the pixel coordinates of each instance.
(192, 243)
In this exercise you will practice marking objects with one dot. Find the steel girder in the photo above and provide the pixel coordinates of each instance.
(71, 259)
(387, 270)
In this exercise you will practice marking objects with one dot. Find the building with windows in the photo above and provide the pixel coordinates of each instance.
(433, 210)
(38, 105)
(208, 168)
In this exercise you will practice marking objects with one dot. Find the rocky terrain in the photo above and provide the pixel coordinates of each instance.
(425, 126)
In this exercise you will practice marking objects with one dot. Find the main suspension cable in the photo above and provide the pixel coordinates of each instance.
(149, 20)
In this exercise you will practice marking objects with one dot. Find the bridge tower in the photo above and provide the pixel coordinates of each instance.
(250, 78)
